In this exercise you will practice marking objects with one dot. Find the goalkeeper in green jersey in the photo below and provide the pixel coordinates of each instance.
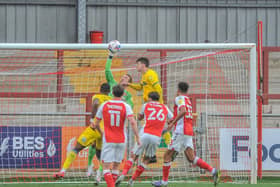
(127, 97)
(125, 79)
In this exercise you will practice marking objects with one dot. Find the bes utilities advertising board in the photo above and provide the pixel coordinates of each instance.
(30, 147)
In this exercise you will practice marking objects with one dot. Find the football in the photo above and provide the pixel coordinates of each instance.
(114, 46)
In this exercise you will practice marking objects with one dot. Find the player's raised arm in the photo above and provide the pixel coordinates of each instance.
(108, 72)
(113, 49)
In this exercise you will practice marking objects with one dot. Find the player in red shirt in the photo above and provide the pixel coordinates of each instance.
(155, 115)
(114, 114)
(182, 137)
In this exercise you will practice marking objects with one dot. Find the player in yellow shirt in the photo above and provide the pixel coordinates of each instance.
(95, 148)
(149, 81)
(90, 135)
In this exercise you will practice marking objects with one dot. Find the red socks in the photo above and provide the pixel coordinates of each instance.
(127, 166)
(140, 169)
(115, 174)
(165, 171)
(109, 179)
(202, 164)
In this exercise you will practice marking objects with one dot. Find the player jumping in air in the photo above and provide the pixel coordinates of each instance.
(114, 113)
(149, 83)
(90, 135)
(155, 115)
(182, 137)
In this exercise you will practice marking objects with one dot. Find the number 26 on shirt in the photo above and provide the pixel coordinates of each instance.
(154, 115)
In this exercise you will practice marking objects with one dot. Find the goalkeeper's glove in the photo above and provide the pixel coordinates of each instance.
(166, 136)
(111, 54)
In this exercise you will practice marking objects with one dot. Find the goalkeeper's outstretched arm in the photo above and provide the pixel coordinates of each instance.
(108, 72)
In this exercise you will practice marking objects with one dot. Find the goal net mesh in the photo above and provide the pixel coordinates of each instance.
(45, 104)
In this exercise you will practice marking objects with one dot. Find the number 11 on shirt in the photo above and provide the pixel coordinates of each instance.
(115, 117)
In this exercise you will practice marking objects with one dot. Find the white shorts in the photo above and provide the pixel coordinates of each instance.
(149, 145)
(113, 152)
(180, 141)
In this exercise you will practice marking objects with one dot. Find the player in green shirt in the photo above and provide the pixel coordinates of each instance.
(125, 79)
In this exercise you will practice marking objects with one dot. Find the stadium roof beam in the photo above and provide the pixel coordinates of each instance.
(194, 5)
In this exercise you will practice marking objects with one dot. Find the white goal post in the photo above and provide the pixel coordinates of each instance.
(46, 100)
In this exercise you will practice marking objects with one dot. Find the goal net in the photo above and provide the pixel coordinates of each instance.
(46, 94)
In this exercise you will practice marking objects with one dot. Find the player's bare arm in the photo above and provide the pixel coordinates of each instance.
(182, 112)
(95, 105)
(96, 125)
(140, 117)
(134, 128)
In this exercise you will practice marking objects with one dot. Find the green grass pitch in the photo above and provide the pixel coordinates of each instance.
(145, 185)
(265, 182)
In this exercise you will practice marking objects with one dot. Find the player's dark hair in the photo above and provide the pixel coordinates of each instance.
(144, 60)
(183, 87)
(105, 88)
(154, 96)
(130, 78)
(118, 90)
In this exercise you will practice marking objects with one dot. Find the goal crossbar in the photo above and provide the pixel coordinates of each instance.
(128, 46)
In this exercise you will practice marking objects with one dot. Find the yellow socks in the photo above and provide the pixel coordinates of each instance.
(69, 160)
